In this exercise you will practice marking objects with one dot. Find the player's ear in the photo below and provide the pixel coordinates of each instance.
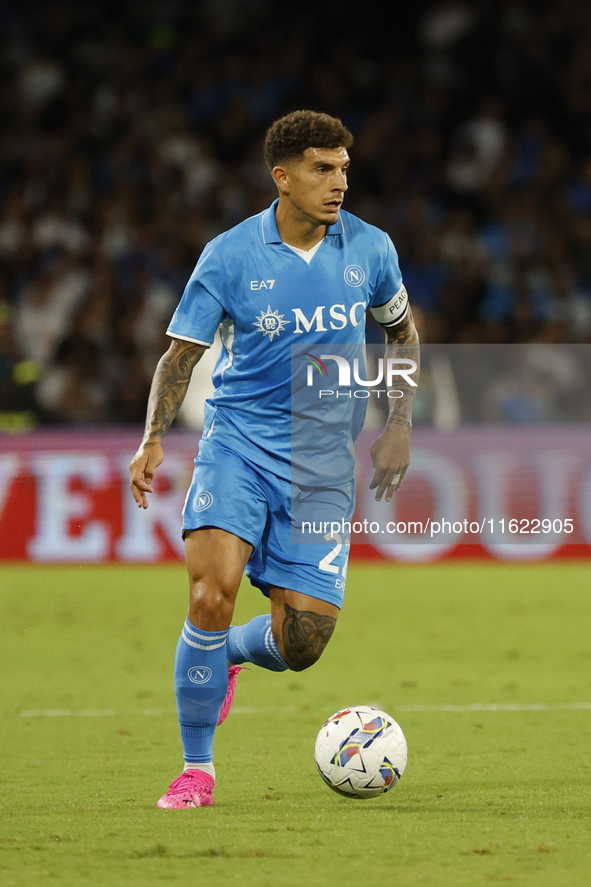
(281, 178)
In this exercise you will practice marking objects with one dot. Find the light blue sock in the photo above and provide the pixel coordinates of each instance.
(201, 681)
(254, 642)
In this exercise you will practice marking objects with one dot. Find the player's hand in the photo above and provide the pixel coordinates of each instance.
(391, 457)
(141, 471)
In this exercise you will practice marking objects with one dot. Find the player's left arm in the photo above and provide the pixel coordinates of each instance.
(391, 452)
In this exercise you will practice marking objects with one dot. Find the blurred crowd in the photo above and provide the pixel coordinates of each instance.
(131, 134)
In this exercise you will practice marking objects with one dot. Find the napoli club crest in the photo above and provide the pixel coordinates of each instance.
(354, 275)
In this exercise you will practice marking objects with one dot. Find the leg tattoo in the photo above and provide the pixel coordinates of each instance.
(305, 635)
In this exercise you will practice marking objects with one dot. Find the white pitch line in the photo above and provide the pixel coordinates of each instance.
(109, 712)
(68, 713)
(249, 710)
(510, 706)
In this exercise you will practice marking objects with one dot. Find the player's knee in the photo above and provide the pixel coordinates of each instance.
(209, 601)
(305, 636)
(302, 656)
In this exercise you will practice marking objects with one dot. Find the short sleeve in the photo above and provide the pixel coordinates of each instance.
(200, 311)
(389, 304)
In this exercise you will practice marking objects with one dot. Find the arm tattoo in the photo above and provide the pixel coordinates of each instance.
(403, 341)
(169, 387)
(305, 635)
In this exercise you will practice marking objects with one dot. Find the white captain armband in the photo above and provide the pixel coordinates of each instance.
(392, 312)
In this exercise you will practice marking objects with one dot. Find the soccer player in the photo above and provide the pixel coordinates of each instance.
(303, 271)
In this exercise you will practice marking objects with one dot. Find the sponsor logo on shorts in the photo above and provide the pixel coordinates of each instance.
(203, 501)
(354, 275)
(199, 674)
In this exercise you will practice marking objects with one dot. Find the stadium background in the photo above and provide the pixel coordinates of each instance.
(131, 135)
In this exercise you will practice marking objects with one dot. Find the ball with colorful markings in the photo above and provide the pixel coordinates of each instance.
(361, 752)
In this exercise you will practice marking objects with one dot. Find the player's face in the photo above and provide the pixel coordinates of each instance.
(316, 184)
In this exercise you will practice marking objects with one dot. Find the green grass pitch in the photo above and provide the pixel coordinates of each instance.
(89, 735)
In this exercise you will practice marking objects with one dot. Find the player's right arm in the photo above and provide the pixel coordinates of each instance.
(167, 393)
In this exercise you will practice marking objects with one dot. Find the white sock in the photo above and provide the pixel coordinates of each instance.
(205, 768)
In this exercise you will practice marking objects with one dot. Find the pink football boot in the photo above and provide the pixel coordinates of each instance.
(233, 672)
(193, 788)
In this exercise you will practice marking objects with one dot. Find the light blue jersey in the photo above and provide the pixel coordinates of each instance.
(267, 299)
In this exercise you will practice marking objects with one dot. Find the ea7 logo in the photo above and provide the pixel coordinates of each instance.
(262, 284)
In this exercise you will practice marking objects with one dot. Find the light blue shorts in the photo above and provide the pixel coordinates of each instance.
(232, 493)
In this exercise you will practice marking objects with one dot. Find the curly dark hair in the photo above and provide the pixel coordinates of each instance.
(289, 136)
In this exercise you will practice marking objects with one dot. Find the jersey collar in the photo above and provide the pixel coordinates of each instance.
(271, 231)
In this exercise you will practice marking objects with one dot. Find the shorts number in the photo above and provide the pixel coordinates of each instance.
(326, 564)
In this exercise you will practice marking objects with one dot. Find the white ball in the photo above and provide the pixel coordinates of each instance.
(361, 752)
